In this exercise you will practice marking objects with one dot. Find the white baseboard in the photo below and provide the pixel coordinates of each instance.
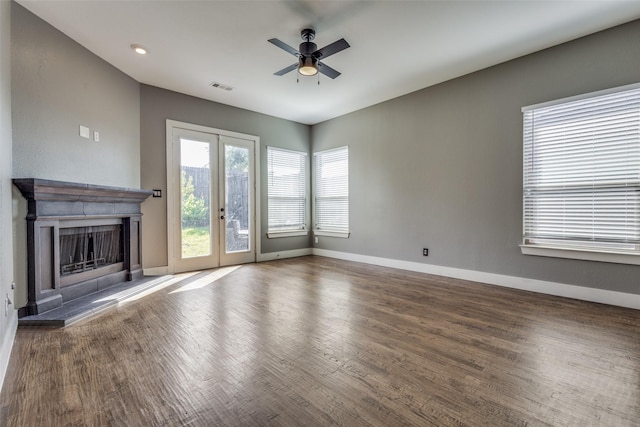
(284, 254)
(156, 271)
(602, 296)
(7, 344)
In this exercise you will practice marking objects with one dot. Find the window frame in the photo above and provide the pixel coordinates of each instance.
(339, 232)
(557, 249)
(289, 232)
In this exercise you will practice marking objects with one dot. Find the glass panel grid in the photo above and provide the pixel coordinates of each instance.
(195, 195)
(236, 213)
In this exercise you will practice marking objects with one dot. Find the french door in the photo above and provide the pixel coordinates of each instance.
(213, 200)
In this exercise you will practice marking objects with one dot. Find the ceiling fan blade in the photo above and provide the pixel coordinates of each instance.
(330, 49)
(282, 45)
(286, 70)
(327, 71)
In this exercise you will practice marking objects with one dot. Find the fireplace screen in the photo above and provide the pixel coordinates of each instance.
(88, 248)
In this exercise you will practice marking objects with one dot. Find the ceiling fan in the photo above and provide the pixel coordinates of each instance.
(309, 55)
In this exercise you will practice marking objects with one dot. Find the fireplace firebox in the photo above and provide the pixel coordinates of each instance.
(89, 248)
(81, 239)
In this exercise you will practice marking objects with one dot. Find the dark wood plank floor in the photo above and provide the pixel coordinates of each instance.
(316, 341)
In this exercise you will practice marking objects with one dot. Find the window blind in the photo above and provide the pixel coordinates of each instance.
(332, 190)
(286, 189)
(582, 173)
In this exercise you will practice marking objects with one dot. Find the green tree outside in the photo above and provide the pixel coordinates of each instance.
(195, 212)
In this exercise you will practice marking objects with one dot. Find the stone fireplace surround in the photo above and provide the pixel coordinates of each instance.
(55, 205)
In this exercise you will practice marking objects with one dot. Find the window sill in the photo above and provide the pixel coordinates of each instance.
(278, 234)
(340, 234)
(570, 253)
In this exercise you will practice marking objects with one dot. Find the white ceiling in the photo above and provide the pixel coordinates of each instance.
(397, 46)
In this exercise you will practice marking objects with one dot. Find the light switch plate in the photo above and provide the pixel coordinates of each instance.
(84, 132)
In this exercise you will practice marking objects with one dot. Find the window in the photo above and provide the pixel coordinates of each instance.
(582, 177)
(286, 192)
(332, 192)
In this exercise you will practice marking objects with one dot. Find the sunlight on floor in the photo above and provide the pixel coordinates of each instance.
(150, 287)
(206, 280)
(177, 278)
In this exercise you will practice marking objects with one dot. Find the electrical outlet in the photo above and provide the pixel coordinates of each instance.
(425, 251)
(317, 239)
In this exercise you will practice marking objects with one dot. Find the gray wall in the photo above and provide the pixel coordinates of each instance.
(442, 167)
(439, 168)
(57, 86)
(158, 105)
(8, 315)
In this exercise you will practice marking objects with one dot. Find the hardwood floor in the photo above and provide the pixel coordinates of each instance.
(317, 341)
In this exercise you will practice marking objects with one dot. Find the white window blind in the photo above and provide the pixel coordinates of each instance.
(286, 190)
(582, 173)
(332, 190)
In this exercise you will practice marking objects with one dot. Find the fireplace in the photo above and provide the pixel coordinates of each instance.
(89, 248)
(81, 239)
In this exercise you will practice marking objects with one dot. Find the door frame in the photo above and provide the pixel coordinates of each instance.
(173, 198)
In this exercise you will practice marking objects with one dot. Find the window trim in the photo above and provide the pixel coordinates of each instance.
(578, 253)
(339, 234)
(276, 234)
(279, 234)
(329, 232)
(581, 96)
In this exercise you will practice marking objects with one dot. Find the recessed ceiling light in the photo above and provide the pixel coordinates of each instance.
(137, 48)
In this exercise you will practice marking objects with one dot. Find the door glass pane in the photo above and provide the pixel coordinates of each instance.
(236, 167)
(195, 191)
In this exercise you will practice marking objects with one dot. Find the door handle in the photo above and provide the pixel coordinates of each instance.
(221, 216)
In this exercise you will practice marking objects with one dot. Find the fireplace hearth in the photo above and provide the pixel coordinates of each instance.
(81, 239)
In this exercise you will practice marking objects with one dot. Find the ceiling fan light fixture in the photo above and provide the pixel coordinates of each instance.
(308, 66)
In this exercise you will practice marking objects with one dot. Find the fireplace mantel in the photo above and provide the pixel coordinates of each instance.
(55, 205)
(49, 198)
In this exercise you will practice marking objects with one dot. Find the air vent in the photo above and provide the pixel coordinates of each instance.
(221, 86)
